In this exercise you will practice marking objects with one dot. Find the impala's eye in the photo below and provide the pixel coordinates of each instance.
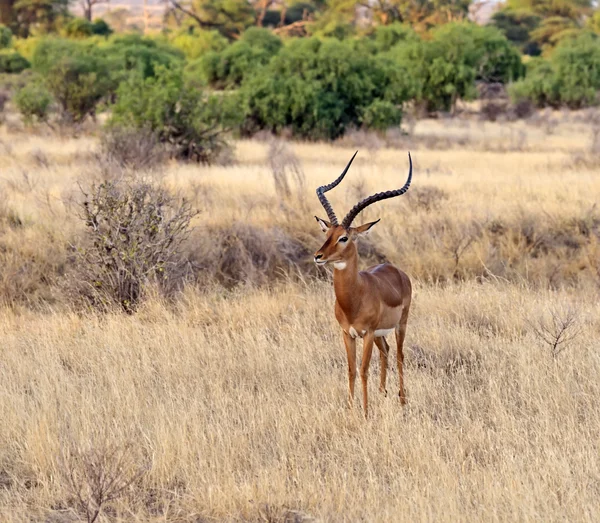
(343, 239)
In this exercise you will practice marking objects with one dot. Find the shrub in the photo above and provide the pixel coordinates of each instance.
(33, 101)
(134, 232)
(387, 36)
(320, 88)
(381, 115)
(137, 149)
(77, 75)
(134, 53)
(571, 76)
(12, 62)
(5, 37)
(199, 43)
(446, 67)
(101, 28)
(189, 121)
(227, 69)
(77, 28)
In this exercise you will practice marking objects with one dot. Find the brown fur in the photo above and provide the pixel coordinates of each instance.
(366, 301)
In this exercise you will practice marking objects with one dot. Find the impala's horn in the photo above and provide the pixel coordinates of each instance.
(324, 188)
(376, 198)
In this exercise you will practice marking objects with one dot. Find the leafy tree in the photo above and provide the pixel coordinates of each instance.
(194, 44)
(229, 68)
(190, 121)
(387, 36)
(101, 28)
(77, 28)
(229, 17)
(571, 77)
(447, 66)
(320, 88)
(77, 74)
(136, 53)
(517, 26)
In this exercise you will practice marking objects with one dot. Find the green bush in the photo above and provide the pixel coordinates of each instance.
(136, 53)
(5, 37)
(77, 74)
(446, 67)
(385, 37)
(571, 77)
(189, 121)
(227, 69)
(194, 45)
(33, 101)
(381, 115)
(318, 89)
(77, 28)
(12, 62)
(101, 28)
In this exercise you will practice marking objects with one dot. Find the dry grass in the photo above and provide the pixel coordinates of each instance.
(230, 404)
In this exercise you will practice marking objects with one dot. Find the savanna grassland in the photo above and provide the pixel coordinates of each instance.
(226, 400)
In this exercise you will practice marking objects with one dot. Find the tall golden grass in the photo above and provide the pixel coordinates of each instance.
(229, 402)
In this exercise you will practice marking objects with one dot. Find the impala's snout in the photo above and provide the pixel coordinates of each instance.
(319, 259)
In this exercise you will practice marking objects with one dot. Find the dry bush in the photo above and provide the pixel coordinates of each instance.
(98, 475)
(494, 101)
(557, 328)
(288, 177)
(247, 255)
(135, 149)
(134, 233)
(426, 198)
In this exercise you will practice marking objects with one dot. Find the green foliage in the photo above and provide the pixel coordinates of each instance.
(5, 37)
(381, 115)
(227, 70)
(540, 86)
(387, 36)
(77, 75)
(446, 67)
(33, 101)
(229, 17)
(12, 62)
(77, 28)
(188, 120)
(517, 26)
(320, 88)
(194, 45)
(136, 53)
(571, 77)
(101, 28)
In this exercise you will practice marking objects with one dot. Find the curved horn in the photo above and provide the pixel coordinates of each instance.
(324, 188)
(376, 198)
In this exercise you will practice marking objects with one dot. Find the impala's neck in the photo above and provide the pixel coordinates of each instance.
(346, 281)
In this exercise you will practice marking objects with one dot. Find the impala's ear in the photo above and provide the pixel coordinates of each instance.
(362, 229)
(325, 226)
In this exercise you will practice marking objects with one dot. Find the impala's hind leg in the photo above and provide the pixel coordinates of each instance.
(400, 334)
(384, 350)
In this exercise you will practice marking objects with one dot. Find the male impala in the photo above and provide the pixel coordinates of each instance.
(369, 304)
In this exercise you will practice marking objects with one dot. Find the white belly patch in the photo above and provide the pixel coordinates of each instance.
(383, 332)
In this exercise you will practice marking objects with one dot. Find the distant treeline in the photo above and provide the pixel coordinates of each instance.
(315, 76)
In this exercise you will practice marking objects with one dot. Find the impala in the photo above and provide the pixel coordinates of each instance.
(369, 304)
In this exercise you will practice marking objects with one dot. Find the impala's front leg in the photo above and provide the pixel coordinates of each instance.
(350, 343)
(364, 366)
